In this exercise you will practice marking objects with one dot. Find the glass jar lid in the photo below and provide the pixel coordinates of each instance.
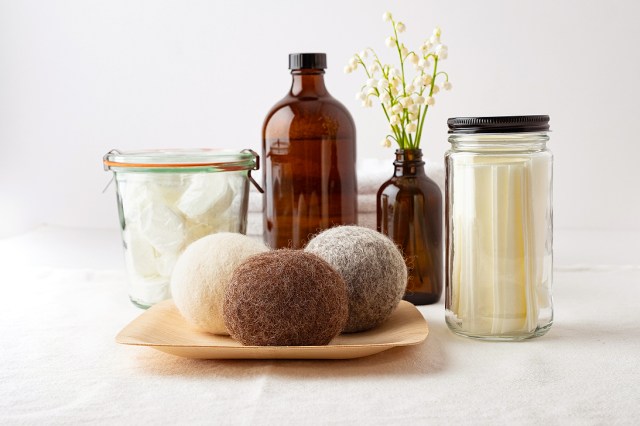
(501, 124)
(181, 160)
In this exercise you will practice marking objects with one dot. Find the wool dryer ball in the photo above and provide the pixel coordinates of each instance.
(285, 298)
(371, 265)
(202, 273)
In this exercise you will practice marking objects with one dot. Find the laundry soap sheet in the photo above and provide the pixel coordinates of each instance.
(499, 265)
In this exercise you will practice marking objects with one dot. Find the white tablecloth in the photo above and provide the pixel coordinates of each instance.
(64, 299)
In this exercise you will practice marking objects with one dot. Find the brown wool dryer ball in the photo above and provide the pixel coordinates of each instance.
(371, 265)
(285, 298)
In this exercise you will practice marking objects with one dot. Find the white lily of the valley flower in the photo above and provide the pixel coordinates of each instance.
(426, 46)
(442, 51)
(406, 102)
(385, 143)
(404, 99)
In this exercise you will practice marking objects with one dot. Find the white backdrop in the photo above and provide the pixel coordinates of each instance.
(78, 78)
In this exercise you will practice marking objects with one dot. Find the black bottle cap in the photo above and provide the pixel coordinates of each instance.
(307, 60)
(504, 124)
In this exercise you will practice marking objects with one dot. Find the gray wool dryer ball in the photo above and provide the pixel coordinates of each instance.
(202, 274)
(371, 265)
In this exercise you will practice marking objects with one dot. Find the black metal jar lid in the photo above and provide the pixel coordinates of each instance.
(501, 124)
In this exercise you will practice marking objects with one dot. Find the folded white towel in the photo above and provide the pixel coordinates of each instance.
(372, 173)
(367, 220)
(366, 202)
(254, 222)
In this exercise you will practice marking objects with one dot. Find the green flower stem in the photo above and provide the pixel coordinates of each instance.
(404, 91)
(426, 107)
(364, 66)
(442, 73)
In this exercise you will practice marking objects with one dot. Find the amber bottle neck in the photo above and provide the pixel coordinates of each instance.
(308, 82)
(408, 162)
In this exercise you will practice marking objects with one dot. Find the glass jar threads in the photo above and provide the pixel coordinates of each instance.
(169, 198)
(498, 217)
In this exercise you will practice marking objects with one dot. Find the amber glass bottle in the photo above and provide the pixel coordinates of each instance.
(309, 159)
(409, 211)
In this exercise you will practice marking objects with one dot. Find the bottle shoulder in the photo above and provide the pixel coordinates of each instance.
(322, 104)
(323, 112)
(410, 186)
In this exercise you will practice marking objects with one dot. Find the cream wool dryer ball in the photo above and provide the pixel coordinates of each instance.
(372, 267)
(202, 273)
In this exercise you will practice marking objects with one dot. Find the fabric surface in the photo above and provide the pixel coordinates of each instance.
(64, 299)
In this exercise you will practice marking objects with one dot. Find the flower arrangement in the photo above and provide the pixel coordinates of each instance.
(405, 101)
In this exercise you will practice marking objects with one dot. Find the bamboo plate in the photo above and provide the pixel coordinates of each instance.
(163, 328)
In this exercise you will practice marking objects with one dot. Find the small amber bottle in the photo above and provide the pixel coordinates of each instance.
(409, 207)
(309, 159)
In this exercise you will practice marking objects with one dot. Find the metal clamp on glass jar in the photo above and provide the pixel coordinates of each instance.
(499, 227)
(169, 198)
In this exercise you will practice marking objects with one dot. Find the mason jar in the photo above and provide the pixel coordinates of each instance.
(169, 198)
(499, 228)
